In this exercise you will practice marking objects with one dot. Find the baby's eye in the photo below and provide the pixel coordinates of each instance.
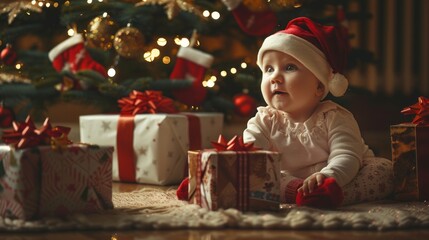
(291, 67)
(269, 69)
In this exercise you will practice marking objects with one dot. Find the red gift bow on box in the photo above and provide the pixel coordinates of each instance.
(420, 109)
(24, 135)
(235, 144)
(146, 102)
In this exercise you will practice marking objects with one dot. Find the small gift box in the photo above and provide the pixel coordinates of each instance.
(410, 154)
(43, 174)
(234, 175)
(150, 148)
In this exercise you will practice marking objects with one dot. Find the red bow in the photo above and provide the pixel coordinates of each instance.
(24, 135)
(420, 109)
(235, 144)
(146, 102)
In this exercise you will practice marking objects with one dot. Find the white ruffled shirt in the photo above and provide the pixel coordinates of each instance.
(329, 141)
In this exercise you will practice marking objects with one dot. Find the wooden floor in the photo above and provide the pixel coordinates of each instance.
(214, 235)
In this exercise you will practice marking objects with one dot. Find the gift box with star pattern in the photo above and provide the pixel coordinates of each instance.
(43, 181)
(154, 150)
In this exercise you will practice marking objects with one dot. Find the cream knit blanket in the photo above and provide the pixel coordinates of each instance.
(152, 208)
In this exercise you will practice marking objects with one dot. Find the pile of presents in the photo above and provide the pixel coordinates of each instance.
(44, 174)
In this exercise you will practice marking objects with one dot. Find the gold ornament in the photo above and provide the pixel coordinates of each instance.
(15, 7)
(101, 32)
(129, 42)
(172, 7)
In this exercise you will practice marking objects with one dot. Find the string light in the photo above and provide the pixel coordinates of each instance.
(70, 32)
(223, 73)
(161, 42)
(206, 13)
(233, 70)
(111, 72)
(184, 42)
(18, 66)
(210, 82)
(243, 65)
(215, 15)
(166, 60)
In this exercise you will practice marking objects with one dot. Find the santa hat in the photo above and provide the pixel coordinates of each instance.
(321, 49)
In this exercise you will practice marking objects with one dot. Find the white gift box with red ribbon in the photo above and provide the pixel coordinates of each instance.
(151, 148)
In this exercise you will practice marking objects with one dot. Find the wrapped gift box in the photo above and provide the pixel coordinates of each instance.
(410, 157)
(159, 143)
(248, 181)
(42, 181)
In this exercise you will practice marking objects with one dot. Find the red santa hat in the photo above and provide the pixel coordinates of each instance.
(321, 49)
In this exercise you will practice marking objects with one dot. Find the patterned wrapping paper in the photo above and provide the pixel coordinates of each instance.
(160, 142)
(248, 181)
(40, 181)
(410, 157)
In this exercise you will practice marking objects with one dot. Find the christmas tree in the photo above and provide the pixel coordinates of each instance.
(202, 54)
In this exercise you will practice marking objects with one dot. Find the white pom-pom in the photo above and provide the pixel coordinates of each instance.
(338, 85)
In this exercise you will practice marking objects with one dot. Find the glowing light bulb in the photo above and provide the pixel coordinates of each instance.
(206, 13)
(70, 32)
(166, 60)
(111, 72)
(184, 42)
(161, 42)
(215, 15)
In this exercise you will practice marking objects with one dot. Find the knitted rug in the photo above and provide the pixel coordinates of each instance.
(152, 208)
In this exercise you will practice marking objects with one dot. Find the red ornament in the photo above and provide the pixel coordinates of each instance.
(8, 55)
(245, 105)
(6, 117)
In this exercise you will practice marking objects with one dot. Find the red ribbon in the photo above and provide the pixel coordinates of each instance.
(235, 144)
(146, 102)
(420, 109)
(136, 103)
(25, 134)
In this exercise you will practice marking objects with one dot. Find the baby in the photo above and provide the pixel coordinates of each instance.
(325, 163)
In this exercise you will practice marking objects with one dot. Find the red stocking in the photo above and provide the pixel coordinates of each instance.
(253, 23)
(71, 55)
(191, 64)
(327, 195)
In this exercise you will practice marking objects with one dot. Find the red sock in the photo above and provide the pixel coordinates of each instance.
(292, 190)
(327, 195)
(182, 190)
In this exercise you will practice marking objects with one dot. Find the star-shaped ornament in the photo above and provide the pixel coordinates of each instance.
(15, 7)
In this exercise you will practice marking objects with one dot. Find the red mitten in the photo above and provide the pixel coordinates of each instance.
(253, 23)
(182, 190)
(71, 55)
(191, 64)
(327, 195)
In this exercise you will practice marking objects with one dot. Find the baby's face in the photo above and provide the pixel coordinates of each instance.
(288, 85)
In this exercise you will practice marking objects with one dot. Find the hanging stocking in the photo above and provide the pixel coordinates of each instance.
(191, 64)
(253, 23)
(71, 55)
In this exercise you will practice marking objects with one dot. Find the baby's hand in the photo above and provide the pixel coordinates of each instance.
(311, 183)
